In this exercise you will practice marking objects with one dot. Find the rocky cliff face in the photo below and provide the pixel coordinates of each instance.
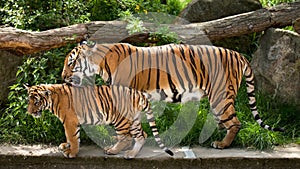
(206, 10)
(8, 69)
(276, 65)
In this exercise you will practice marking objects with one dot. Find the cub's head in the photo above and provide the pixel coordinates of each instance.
(78, 66)
(38, 99)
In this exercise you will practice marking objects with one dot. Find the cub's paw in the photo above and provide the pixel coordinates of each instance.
(65, 148)
(110, 150)
(218, 145)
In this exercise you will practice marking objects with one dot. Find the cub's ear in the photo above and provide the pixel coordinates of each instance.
(89, 43)
(83, 42)
(26, 85)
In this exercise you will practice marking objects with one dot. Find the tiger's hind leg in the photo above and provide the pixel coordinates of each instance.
(124, 141)
(139, 137)
(229, 121)
(127, 147)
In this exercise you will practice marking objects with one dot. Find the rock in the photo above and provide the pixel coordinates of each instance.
(276, 65)
(296, 25)
(8, 69)
(206, 10)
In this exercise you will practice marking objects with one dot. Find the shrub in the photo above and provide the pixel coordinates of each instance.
(111, 10)
(43, 15)
(15, 125)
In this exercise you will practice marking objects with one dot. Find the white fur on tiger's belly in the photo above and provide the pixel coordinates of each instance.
(195, 95)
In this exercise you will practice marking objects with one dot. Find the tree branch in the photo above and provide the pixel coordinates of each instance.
(25, 42)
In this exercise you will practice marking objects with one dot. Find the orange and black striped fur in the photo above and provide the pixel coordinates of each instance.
(174, 73)
(98, 105)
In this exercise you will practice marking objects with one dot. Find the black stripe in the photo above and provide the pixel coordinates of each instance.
(78, 131)
(170, 82)
(224, 109)
(107, 69)
(163, 95)
(120, 124)
(252, 105)
(230, 117)
(250, 74)
(150, 70)
(193, 68)
(174, 60)
(202, 68)
(237, 125)
(152, 119)
(158, 70)
(63, 120)
(181, 51)
(256, 117)
(251, 94)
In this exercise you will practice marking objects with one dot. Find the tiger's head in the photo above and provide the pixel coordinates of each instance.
(38, 100)
(78, 66)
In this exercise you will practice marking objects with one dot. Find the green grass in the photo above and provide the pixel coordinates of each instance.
(269, 3)
(251, 134)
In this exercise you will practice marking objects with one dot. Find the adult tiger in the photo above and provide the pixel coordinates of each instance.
(175, 73)
(98, 105)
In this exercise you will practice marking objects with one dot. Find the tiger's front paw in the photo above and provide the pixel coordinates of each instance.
(65, 148)
(218, 145)
(110, 150)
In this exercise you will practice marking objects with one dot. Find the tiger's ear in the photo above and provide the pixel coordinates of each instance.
(89, 43)
(83, 42)
(26, 85)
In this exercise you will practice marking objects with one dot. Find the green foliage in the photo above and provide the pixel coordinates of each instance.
(164, 36)
(134, 24)
(16, 126)
(161, 36)
(43, 15)
(251, 134)
(268, 3)
(111, 10)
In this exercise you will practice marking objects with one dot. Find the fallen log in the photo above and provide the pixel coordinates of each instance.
(26, 42)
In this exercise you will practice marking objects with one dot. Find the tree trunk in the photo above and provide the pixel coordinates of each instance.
(26, 42)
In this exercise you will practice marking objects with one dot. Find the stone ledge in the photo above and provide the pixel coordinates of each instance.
(44, 157)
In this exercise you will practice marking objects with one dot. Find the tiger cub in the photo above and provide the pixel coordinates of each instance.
(97, 105)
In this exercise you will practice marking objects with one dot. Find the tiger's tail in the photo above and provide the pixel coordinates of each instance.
(248, 73)
(154, 130)
(151, 121)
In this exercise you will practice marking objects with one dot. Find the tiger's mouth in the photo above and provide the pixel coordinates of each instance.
(36, 114)
(74, 80)
(80, 82)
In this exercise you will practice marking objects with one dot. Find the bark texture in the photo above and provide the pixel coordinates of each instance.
(26, 42)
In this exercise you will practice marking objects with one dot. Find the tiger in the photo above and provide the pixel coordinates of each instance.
(97, 105)
(173, 73)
